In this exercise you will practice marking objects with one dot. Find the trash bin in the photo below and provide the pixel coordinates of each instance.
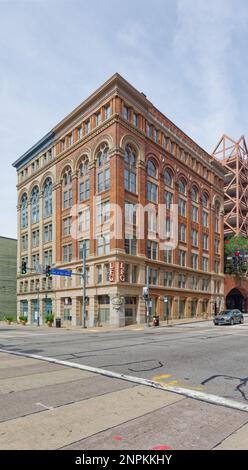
(58, 322)
(155, 321)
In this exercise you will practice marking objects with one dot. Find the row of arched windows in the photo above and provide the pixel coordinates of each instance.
(35, 206)
(103, 183)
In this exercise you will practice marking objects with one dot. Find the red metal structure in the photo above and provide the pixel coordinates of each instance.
(234, 157)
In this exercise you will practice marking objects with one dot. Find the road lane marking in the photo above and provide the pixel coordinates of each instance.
(44, 406)
(162, 380)
(195, 394)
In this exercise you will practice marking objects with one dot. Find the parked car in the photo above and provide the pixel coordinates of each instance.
(229, 317)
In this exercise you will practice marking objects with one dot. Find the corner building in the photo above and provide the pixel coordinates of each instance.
(117, 147)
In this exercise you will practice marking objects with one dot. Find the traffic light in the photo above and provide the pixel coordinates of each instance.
(145, 293)
(24, 267)
(236, 259)
(48, 271)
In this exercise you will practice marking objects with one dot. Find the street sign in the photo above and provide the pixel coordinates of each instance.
(60, 272)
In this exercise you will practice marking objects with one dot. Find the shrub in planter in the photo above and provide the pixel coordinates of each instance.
(23, 319)
(49, 319)
(9, 319)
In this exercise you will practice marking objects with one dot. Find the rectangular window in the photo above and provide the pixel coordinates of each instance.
(103, 244)
(135, 119)
(99, 274)
(107, 112)
(194, 213)
(194, 261)
(182, 207)
(67, 226)
(125, 112)
(168, 256)
(167, 279)
(67, 253)
(152, 276)
(103, 213)
(79, 132)
(98, 119)
(181, 281)
(35, 238)
(205, 264)
(152, 191)
(48, 233)
(48, 258)
(152, 249)
(205, 219)
(205, 241)
(205, 285)
(168, 198)
(216, 246)
(84, 220)
(130, 245)
(194, 237)
(84, 190)
(216, 266)
(87, 127)
(182, 232)
(103, 180)
(182, 257)
(68, 199)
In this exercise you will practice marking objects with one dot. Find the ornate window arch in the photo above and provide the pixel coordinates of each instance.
(205, 200)
(67, 187)
(194, 194)
(130, 171)
(84, 179)
(103, 170)
(168, 178)
(35, 205)
(48, 203)
(24, 211)
(152, 169)
(182, 186)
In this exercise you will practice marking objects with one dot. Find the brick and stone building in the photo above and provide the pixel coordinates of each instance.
(117, 150)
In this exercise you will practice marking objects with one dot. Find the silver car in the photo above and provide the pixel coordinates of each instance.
(229, 317)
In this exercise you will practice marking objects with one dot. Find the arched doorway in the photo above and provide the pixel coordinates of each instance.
(235, 300)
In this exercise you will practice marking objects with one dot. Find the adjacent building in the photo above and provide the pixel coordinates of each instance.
(233, 155)
(8, 252)
(113, 161)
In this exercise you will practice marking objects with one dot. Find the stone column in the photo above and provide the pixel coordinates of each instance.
(141, 311)
(92, 311)
(117, 311)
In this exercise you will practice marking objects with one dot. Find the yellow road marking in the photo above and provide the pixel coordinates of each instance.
(174, 383)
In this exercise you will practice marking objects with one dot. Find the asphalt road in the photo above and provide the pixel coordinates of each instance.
(197, 356)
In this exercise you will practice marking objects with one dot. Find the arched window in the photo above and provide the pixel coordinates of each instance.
(194, 194)
(194, 199)
(130, 168)
(24, 211)
(67, 188)
(84, 179)
(47, 188)
(35, 206)
(205, 200)
(181, 186)
(168, 179)
(151, 169)
(103, 172)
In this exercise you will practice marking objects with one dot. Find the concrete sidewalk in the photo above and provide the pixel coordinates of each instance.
(46, 406)
(99, 329)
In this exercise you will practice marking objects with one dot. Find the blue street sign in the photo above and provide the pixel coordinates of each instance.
(61, 272)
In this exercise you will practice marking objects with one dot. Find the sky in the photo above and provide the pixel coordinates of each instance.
(188, 56)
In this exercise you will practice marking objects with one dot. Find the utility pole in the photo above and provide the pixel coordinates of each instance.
(84, 284)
